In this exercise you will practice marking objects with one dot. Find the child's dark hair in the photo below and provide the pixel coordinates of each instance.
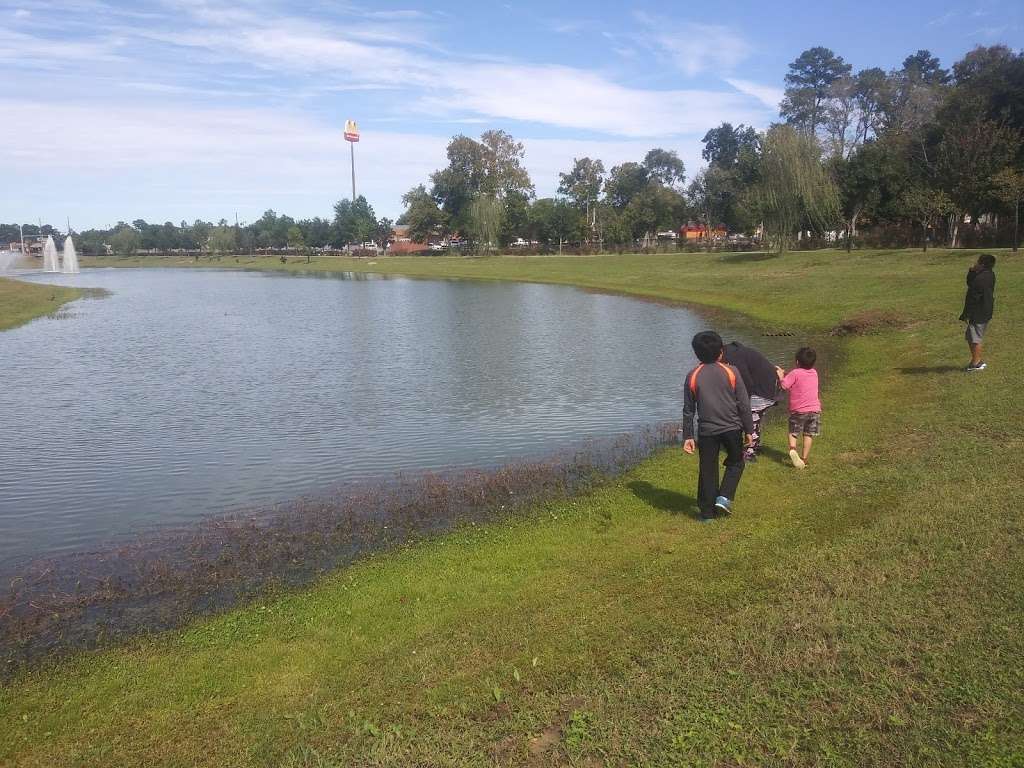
(987, 260)
(806, 357)
(707, 345)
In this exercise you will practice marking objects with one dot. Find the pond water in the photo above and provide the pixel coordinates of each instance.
(188, 393)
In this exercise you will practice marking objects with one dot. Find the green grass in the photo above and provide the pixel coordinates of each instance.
(21, 302)
(865, 612)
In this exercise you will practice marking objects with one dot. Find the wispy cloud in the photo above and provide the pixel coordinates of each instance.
(244, 157)
(202, 97)
(571, 98)
(768, 95)
(945, 18)
(27, 50)
(361, 56)
(694, 47)
(993, 31)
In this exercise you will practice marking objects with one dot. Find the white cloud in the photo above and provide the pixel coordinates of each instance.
(560, 96)
(22, 13)
(28, 50)
(573, 98)
(173, 162)
(768, 95)
(945, 18)
(693, 47)
(168, 128)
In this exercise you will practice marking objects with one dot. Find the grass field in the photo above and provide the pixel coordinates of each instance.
(21, 302)
(864, 612)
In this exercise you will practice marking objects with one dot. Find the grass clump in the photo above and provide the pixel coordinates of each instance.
(21, 302)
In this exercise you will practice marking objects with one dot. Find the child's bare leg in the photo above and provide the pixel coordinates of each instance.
(794, 456)
(807, 446)
(975, 353)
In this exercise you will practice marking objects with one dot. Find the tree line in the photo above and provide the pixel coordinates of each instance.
(915, 154)
(919, 153)
(352, 223)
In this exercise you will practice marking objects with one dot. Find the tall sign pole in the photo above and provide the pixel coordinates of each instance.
(352, 136)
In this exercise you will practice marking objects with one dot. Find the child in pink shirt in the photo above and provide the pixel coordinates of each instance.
(804, 405)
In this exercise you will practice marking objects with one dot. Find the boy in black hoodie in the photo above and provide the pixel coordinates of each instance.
(978, 306)
(715, 393)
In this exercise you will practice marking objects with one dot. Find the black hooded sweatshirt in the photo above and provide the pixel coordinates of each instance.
(756, 370)
(980, 299)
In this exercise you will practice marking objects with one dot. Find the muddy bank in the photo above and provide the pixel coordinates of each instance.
(161, 580)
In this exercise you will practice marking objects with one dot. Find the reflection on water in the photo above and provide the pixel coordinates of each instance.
(186, 393)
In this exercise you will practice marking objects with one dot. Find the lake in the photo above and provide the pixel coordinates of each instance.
(188, 393)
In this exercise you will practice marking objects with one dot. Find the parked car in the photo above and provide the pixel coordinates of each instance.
(520, 243)
(438, 246)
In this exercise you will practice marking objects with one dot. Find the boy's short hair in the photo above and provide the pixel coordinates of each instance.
(707, 345)
(987, 260)
(806, 357)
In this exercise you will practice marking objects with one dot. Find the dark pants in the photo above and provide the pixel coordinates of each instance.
(709, 447)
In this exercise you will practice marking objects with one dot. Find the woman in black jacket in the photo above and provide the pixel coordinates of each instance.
(761, 378)
(978, 305)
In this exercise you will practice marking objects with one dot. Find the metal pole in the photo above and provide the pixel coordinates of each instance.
(21, 234)
(352, 147)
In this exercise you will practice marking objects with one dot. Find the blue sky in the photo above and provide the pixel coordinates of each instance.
(178, 109)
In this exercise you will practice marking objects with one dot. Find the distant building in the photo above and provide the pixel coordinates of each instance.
(401, 242)
(33, 245)
(697, 232)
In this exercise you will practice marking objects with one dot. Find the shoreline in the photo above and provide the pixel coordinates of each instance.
(21, 301)
(106, 596)
(849, 609)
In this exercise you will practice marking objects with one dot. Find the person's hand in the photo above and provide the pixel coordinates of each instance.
(780, 373)
(689, 445)
(749, 440)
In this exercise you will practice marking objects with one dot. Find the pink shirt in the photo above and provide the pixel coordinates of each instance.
(802, 384)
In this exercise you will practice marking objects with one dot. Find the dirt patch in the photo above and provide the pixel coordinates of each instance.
(507, 752)
(547, 741)
(869, 321)
(855, 458)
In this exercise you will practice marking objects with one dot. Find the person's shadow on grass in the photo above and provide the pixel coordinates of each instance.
(930, 369)
(673, 502)
(779, 457)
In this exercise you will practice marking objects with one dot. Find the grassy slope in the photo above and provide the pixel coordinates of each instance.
(21, 302)
(864, 612)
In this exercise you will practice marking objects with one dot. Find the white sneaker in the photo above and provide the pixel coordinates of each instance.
(795, 458)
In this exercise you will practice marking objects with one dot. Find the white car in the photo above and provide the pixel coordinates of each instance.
(437, 246)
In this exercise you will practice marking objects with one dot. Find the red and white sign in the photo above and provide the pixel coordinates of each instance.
(351, 131)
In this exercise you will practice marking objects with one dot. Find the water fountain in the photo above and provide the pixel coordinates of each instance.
(50, 256)
(8, 259)
(70, 257)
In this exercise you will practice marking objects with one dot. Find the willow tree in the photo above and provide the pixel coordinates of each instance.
(485, 217)
(794, 191)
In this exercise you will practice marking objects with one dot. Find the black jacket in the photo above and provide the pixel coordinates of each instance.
(756, 370)
(980, 299)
